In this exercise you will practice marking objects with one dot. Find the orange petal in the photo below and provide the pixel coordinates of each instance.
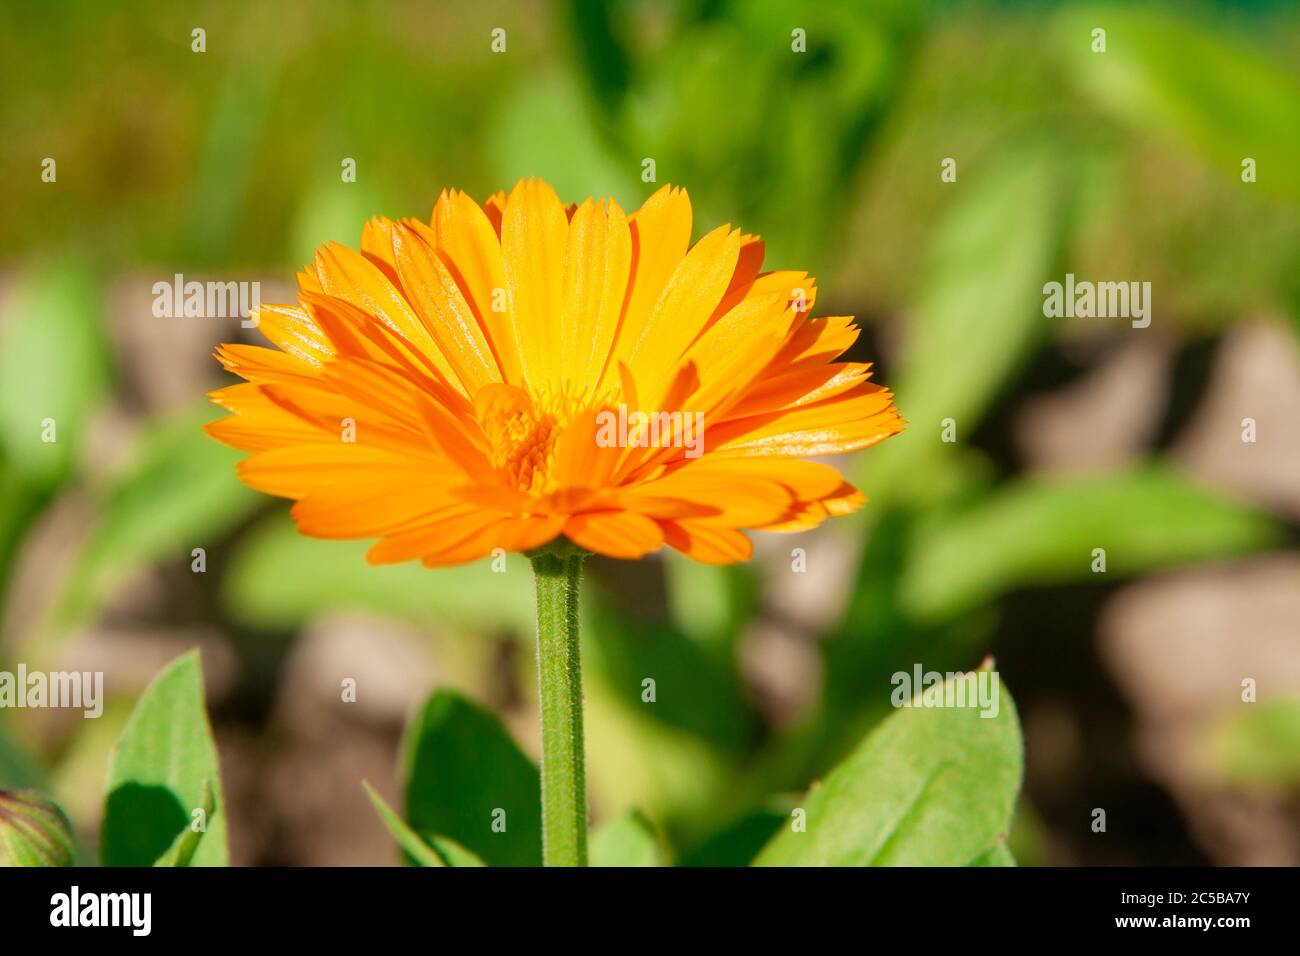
(617, 534)
(377, 245)
(707, 544)
(258, 423)
(597, 263)
(692, 293)
(470, 245)
(381, 502)
(450, 321)
(816, 341)
(524, 534)
(353, 278)
(584, 455)
(748, 264)
(801, 387)
(857, 419)
(292, 330)
(845, 500)
(508, 534)
(661, 234)
(496, 498)
(494, 207)
(741, 498)
(443, 531)
(806, 480)
(295, 471)
(534, 234)
(735, 350)
(456, 436)
(258, 364)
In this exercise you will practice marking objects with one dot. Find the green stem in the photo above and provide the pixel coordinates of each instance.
(558, 570)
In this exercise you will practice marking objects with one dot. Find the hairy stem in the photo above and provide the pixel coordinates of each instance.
(558, 571)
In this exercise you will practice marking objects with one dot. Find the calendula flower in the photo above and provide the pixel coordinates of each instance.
(510, 373)
(526, 376)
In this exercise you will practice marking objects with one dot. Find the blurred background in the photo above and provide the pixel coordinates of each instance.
(1071, 434)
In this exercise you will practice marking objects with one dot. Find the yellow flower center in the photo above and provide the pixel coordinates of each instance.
(523, 445)
(523, 430)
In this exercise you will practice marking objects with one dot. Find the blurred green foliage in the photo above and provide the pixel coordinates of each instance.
(1122, 164)
(1260, 747)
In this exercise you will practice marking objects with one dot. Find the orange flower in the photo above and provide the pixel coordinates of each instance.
(508, 373)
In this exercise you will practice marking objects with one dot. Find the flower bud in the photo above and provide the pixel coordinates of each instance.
(33, 830)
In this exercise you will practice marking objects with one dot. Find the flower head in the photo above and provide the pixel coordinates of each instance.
(509, 373)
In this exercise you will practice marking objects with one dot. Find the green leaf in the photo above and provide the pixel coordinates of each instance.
(428, 850)
(996, 855)
(181, 852)
(419, 851)
(1043, 530)
(54, 371)
(1260, 746)
(1162, 71)
(629, 840)
(877, 638)
(464, 774)
(279, 579)
(450, 852)
(179, 493)
(979, 310)
(163, 768)
(415, 847)
(930, 786)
